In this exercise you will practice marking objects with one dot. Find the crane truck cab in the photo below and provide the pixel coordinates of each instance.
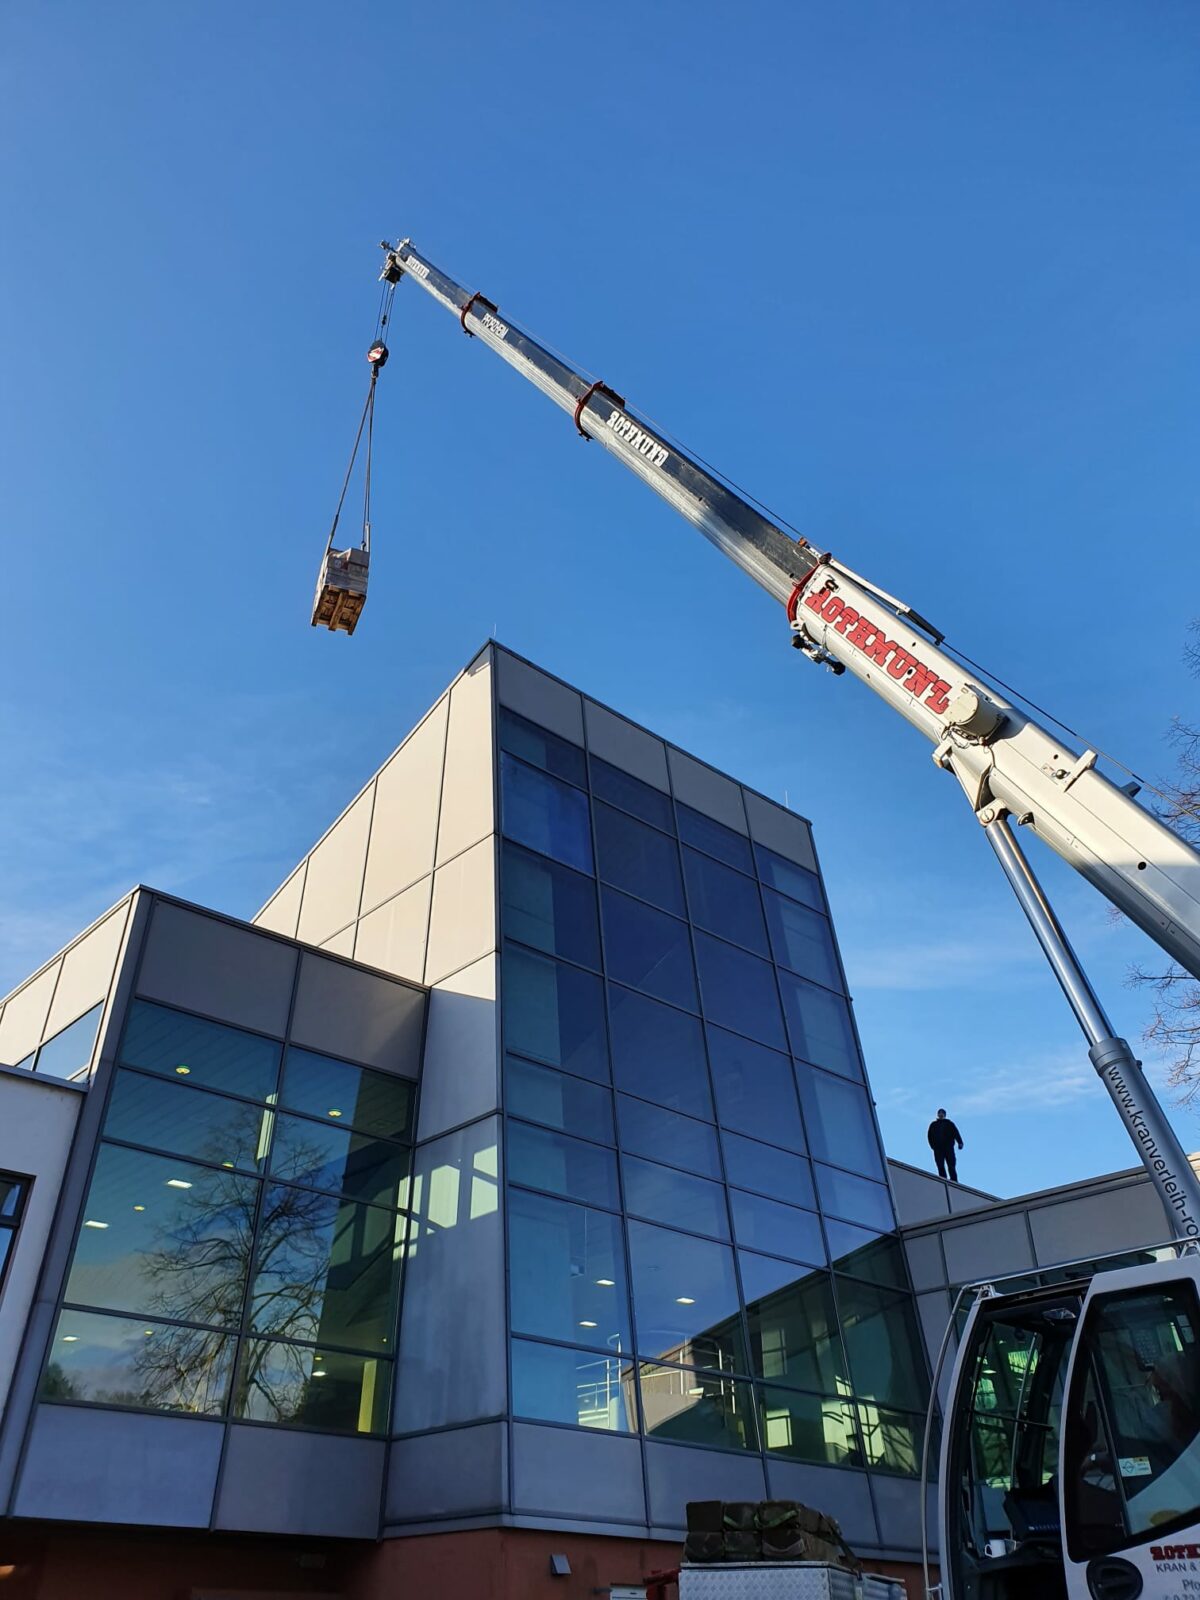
(1070, 1462)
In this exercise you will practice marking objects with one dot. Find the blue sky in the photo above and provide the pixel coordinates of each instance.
(922, 276)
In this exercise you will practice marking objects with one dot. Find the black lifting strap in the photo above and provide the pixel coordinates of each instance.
(377, 359)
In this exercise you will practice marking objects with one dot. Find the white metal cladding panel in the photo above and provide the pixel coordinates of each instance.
(467, 812)
(460, 1073)
(780, 830)
(1120, 1219)
(622, 745)
(790, 1580)
(462, 927)
(237, 975)
(392, 936)
(87, 970)
(705, 790)
(342, 944)
(333, 884)
(343, 1011)
(991, 1246)
(404, 825)
(571, 1472)
(542, 699)
(282, 911)
(23, 1019)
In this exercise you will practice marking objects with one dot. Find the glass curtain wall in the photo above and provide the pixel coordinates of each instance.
(240, 1248)
(701, 1240)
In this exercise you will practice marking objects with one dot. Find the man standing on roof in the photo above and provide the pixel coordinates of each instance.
(943, 1136)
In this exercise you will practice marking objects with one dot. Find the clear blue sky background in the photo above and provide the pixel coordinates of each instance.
(922, 275)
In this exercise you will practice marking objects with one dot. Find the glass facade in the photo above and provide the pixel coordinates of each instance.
(701, 1240)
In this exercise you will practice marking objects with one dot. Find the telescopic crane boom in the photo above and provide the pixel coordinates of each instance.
(1007, 764)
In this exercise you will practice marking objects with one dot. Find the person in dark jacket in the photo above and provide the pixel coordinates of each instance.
(943, 1136)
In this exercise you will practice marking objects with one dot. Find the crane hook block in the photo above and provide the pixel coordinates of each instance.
(377, 355)
(341, 590)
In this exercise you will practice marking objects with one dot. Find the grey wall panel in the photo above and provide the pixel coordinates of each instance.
(114, 1466)
(276, 1480)
(992, 1245)
(925, 1261)
(458, 1473)
(965, 1199)
(460, 1075)
(1097, 1224)
(780, 830)
(532, 694)
(676, 1474)
(569, 1473)
(453, 1365)
(898, 1509)
(632, 749)
(705, 790)
(204, 964)
(934, 1313)
(843, 1495)
(920, 1197)
(23, 1020)
(346, 1012)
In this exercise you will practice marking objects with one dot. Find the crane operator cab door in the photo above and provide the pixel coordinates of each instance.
(1070, 1463)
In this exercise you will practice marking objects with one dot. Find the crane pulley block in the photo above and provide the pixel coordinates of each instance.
(341, 589)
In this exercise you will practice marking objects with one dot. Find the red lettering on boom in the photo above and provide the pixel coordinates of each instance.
(922, 682)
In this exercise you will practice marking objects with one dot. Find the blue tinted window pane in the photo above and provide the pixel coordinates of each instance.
(697, 1408)
(840, 1126)
(739, 991)
(658, 1053)
(555, 1013)
(810, 1427)
(756, 1093)
(801, 939)
(685, 1299)
(278, 1383)
(648, 949)
(540, 1094)
(751, 1165)
(714, 838)
(788, 878)
(151, 1365)
(762, 1224)
(819, 1025)
(567, 1272)
(541, 748)
(638, 858)
(883, 1344)
(12, 1196)
(349, 1163)
(676, 1199)
(666, 1136)
(210, 1056)
(171, 1116)
(794, 1336)
(373, 1102)
(544, 814)
(573, 1386)
(70, 1051)
(855, 1199)
(631, 794)
(724, 902)
(864, 1254)
(549, 907)
(570, 1167)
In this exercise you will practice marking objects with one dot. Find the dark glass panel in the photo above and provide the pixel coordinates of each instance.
(571, 1167)
(540, 1094)
(724, 902)
(12, 1194)
(648, 1130)
(171, 1116)
(714, 838)
(322, 1389)
(374, 1102)
(854, 1199)
(793, 1324)
(658, 1053)
(676, 1199)
(327, 1270)
(7, 1235)
(541, 748)
(755, 1089)
(638, 858)
(163, 1237)
(209, 1055)
(801, 939)
(567, 1272)
(579, 1387)
(819, 1026)
(631, 794)
(739, 991)
(840, 1126)
(865, 1254)
(70, 1051)
(751, 1165)
(555, 1013)
(685, 1299)
(647, 949)
(810, 1427)
(698, 1408)
(549, 907)
(788, 878)
(339, 1159)
(116, 1361)
(892, 1439)
(883, 1344)
(548, 816)
(762, 1224)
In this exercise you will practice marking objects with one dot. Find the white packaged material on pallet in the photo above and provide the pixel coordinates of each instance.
(783, 1580)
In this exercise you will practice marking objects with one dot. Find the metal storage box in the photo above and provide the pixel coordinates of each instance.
(783, 1580)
